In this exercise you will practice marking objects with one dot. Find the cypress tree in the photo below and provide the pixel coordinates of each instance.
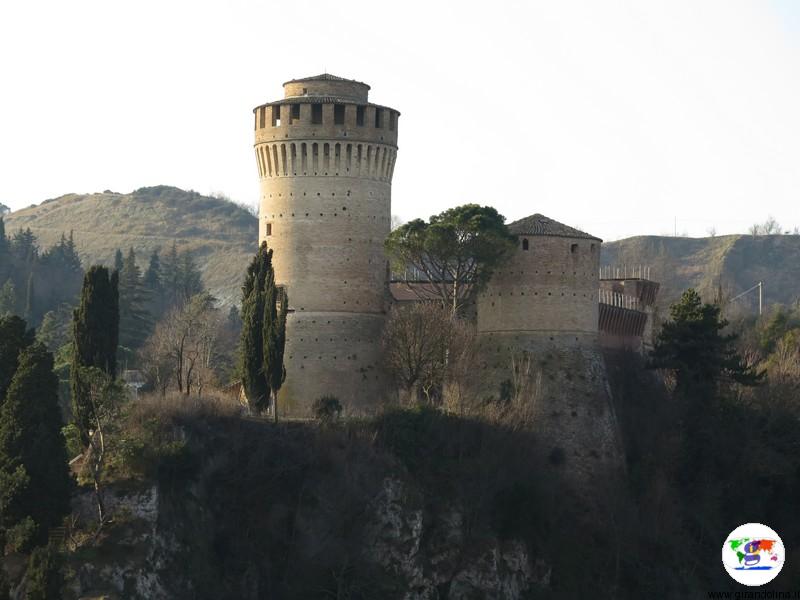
(251, 354)
(31, 440)
(274, 336)
(152, 277)
(95, 336)
(14, 338)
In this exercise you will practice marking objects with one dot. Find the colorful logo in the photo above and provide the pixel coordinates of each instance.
(753, 554)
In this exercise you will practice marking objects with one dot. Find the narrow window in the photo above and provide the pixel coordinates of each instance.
(304, 157)
(392, 120)
(316, 114)
(592, 247)
(379, 118)
(360, 115)
(525, 244)
(262, 117)
(338, 114)
(295, 114)
(315, 157)
(573, 248)
(269, 229)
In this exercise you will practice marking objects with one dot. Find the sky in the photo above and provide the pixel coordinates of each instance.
(618, 117)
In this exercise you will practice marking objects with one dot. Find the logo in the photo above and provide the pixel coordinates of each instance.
(753, 554)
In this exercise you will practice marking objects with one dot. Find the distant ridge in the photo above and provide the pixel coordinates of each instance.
(736, 262)
(220, 235)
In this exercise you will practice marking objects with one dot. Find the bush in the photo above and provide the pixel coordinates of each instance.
(44, 575)
(327, 409)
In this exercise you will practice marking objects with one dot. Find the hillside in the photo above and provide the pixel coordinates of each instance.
(736, 262)
(220, 235)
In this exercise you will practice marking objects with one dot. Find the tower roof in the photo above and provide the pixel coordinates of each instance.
(325, 77)
(538, 224)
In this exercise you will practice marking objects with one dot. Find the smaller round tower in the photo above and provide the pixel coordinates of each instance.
(538, 331)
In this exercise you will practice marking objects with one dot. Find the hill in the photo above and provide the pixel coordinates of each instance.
(220, 235)
(735, 262)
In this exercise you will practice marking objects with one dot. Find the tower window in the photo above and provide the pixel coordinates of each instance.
(276, 116)
(392, 120)
(379, 118)
(262, 112)
(269, 229)
(525, 245)
(316, 114)
(360, 115)
(592, 247)
(295, 114)
(338, 114)
(573, 248)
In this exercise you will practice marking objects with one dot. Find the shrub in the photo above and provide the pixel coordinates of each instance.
(327, 408)
(44, 574)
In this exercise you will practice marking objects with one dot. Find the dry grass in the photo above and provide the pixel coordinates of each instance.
(180, 408)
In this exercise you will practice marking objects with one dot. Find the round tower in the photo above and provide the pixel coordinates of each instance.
(538, 331)
(325, 158)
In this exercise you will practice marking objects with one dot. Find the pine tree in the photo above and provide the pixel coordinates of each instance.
(134, 319)
(119, 261)
(274, 337)
(170, 271)
(30, 301)
(152, 277)
(14, 338)
(8, 298)
(31, 439)
(251, 354)
(95, 334)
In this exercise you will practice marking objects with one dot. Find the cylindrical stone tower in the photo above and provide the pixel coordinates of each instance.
(325, 160)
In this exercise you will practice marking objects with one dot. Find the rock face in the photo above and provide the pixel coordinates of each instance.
(426, 560)
(497, 570)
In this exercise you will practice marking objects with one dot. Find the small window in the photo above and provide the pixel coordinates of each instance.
(269, 229)
(305, 91)
(262, 116)
(295, 114)
(592, 247)
(338, 114)
(360, 115)
(379, 118)
(525, 245)
(316, 114)
(276, 116)
(573, 248)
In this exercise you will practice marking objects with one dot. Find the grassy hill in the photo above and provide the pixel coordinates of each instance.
(220, 235)
(736, 262)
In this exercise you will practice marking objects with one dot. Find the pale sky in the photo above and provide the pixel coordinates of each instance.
(613, 116)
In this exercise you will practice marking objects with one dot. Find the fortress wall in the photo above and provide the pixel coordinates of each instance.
(552, 286)
(573, 410)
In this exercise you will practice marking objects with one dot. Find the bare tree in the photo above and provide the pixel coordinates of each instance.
(415, 344)
(183, 346)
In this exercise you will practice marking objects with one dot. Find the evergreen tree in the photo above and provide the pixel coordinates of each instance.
(274, 337)
(169, 276)
(119, 261)
(3, 239)
(44, 574)
(134, 319)
(24, 246)
(30, 300)
(95, 338)
(152, 277)
(8, 298)
(190, 282)
(31, 440)
(251, 344)
(691, 345)
(14, 338)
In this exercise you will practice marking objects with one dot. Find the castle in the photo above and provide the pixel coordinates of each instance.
(325, 158)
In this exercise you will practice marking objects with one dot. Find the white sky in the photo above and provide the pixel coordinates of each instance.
(613, 116)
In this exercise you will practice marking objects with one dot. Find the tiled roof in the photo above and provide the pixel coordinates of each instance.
(540, 225)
